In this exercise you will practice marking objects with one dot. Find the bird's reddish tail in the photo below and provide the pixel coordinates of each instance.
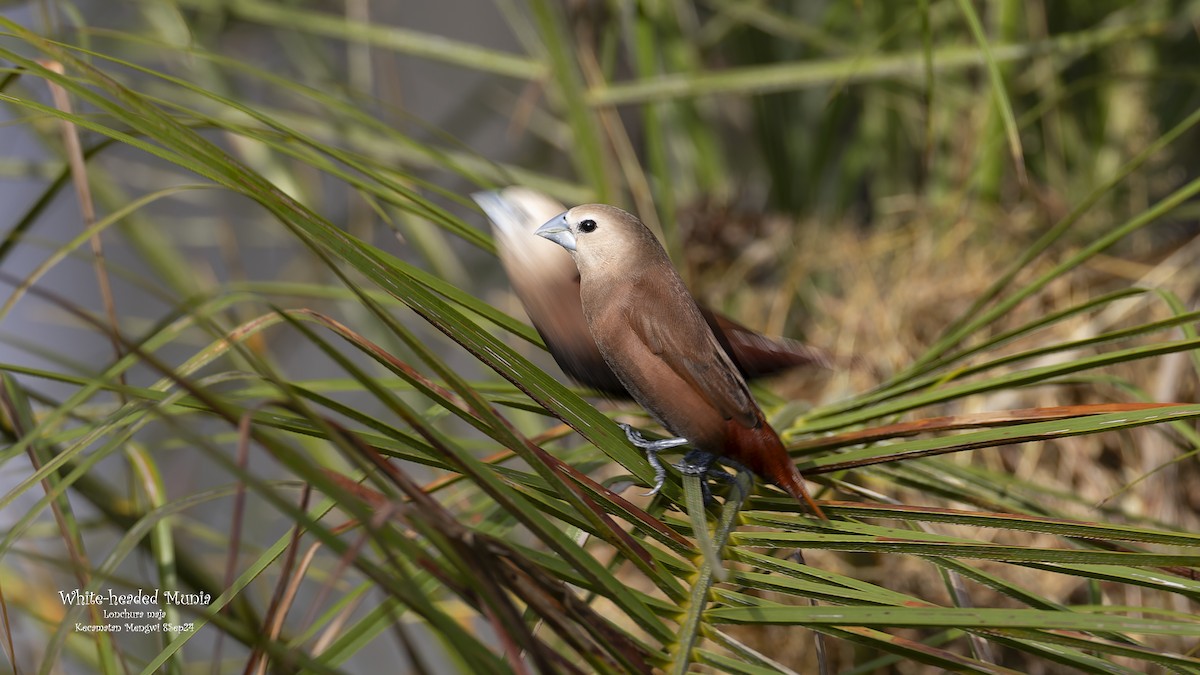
(793, 483)
(762, 452)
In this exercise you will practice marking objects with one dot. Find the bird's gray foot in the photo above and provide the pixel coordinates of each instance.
(652, 448)
(704, 465)
(700, 463)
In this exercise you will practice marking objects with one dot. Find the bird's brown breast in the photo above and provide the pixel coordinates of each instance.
(654, 338)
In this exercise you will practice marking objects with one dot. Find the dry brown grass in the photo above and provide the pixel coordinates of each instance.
(881, 294)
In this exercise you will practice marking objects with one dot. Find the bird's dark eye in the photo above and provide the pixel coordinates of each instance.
(588, 225)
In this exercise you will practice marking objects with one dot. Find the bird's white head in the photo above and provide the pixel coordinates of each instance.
(600, 236)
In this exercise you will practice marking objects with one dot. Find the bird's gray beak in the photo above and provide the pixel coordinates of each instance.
(557, 231)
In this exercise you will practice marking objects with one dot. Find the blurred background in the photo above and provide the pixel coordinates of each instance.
(872, 178)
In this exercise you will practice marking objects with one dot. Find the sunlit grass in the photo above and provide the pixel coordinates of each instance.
(977, 207)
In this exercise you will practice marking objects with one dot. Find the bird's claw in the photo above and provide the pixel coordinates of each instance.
(657, 446)
(633, 435)
(694, 463)
(660, 472)
(652, 448)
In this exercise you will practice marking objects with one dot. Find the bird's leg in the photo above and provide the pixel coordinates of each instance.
(701, 463)
(652, 448)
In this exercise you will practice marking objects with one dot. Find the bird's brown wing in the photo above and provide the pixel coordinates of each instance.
(686, 344)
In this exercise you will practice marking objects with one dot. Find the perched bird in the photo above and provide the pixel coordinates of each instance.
(547, 283)
(653, 336)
